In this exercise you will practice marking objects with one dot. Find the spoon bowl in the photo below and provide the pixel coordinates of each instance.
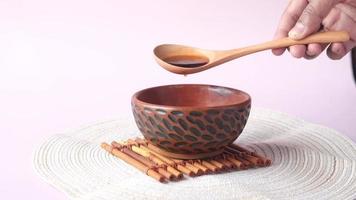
(182, 59)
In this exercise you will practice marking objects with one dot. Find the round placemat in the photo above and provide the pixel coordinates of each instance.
(309, 162)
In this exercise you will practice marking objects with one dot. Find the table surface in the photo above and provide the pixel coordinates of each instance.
(69, 63)
(308, 162)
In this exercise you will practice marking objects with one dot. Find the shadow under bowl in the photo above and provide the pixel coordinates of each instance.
(190, 121)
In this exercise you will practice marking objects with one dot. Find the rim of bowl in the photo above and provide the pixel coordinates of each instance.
(135, 99)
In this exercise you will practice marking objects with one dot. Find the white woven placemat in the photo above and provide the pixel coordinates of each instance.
(309, 162)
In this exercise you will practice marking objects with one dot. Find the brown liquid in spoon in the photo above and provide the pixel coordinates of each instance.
(187, 61)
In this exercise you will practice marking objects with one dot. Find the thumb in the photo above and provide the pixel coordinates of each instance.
(311, 18)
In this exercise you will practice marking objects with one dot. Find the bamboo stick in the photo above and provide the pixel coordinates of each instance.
(235, 151)
(132, 142)
(172, 162)
(163, 158)
(185, 170)
(237, 163)
(147, 155)
(239, 148)
(255, 160)
(218, 164)
(210, 166)
(141, 141)
(196, 170)
(128, 159)
(148, 163)
(227, 163)
(200, 166)
(143, 160)
(265, 161)
(157, 161)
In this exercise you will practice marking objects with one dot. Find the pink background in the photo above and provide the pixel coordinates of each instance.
(71, 62)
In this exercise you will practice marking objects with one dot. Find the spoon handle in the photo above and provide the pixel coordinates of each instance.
(320, 37)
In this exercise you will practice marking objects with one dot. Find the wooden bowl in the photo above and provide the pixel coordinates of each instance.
(191, 121)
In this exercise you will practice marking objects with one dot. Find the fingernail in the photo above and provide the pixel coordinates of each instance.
(296, 31)
(310, 53)
(338, 50)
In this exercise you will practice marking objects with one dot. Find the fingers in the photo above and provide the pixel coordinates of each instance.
(311, 18)
(288, 19)
(342, 17)
(297, 51)
(314, 50)
(304, 17)
(338, 50)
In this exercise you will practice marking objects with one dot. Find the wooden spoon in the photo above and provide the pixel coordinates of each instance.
(181, 59)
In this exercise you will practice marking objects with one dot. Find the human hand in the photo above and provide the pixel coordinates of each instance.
(304, 17)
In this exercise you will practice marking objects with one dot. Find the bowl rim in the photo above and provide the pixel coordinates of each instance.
(135, 100)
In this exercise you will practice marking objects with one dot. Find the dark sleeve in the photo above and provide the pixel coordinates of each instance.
(353, 57)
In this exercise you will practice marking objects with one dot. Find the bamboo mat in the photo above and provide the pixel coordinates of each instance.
(144, 156)
(309, 162)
